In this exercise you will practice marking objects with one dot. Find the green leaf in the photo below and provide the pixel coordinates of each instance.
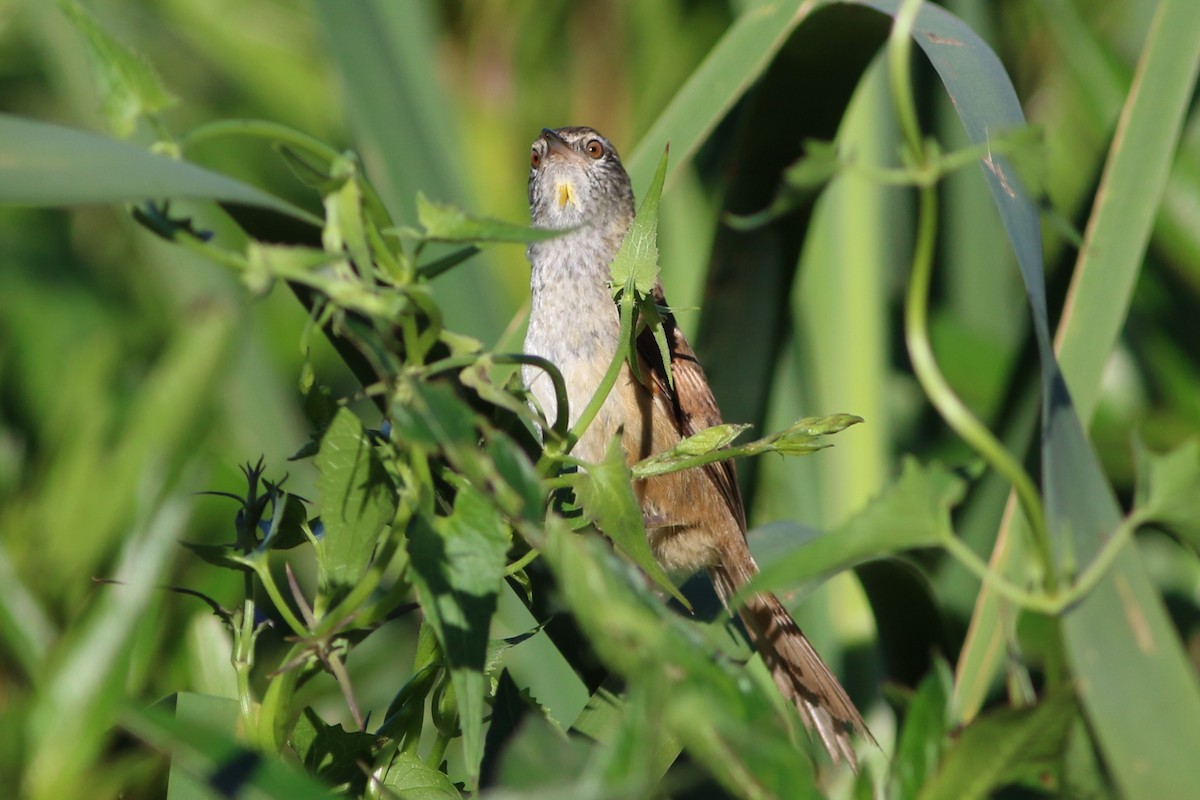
(727, 717)
(912, 512)
(926, 721)
(709, 439)
(536, 665)
(286, 528)
(634, 274)
(357, 501)
(1004, 747)
(518, 472)
(1120, 642)
(410, 778)
(344, 224)
(1168, 489)
(25, 627)
(804, 435)
(431, 413)
(212, 755)
(447, 223)
(1128, 198)
(635, 267)
(800, 438)
(206, 712)
(403, 122)
(458, 563)
(48, 165)
(220, 555)
(330, 752)
(129, 86)
(86, 683)
(478, 377)
(605, 493)
(540, 756)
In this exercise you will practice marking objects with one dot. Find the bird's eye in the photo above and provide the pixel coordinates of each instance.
(535, 159)
(594, 148)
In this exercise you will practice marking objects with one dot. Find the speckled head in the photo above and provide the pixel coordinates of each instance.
(575, 179)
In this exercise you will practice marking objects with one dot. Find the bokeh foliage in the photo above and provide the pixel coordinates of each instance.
(136, 371)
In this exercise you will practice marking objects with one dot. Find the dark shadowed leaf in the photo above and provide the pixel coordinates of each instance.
(1013, 745)
(330, 752)
(219, 764)
(912, 512)
(921, 739)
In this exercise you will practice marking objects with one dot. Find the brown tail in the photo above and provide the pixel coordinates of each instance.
(798, 671)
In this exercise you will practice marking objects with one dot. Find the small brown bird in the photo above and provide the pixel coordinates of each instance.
(695, 519)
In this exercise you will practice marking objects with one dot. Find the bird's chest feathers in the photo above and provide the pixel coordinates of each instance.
(574, 324)
(572, 316)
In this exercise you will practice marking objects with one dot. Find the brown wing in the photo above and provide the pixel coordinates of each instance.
(693, 401)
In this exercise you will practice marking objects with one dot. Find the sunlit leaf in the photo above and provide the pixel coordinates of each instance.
(410, 778)
(357, 501)
(129, 86)
(443, 222)
(458, 563)
(635, 267)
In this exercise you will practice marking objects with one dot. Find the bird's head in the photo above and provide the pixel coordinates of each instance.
(576, 179)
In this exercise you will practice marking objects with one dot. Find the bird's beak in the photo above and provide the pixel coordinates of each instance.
(555, 146)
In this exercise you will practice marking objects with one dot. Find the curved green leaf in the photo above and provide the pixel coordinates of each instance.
(49, 165)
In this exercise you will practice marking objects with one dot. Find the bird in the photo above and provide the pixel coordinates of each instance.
(695, 518)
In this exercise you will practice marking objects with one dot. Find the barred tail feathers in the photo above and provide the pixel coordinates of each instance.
(797, 669)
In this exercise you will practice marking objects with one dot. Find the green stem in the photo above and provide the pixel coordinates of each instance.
(943, 398)
(899, 56)
(1010, 591)
(263, 571)
(916, 324)
(551, 455)
(522, 562)
(559, 429)
(438, 751)
(259, 129)
(1051, 604)
(1100, 564)
(243, 658)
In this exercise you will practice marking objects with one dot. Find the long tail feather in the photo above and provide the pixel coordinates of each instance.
(799, 672)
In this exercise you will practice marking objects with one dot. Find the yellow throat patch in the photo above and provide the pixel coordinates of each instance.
(566, 193)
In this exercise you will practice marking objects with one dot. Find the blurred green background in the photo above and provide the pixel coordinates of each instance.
(95, 311)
